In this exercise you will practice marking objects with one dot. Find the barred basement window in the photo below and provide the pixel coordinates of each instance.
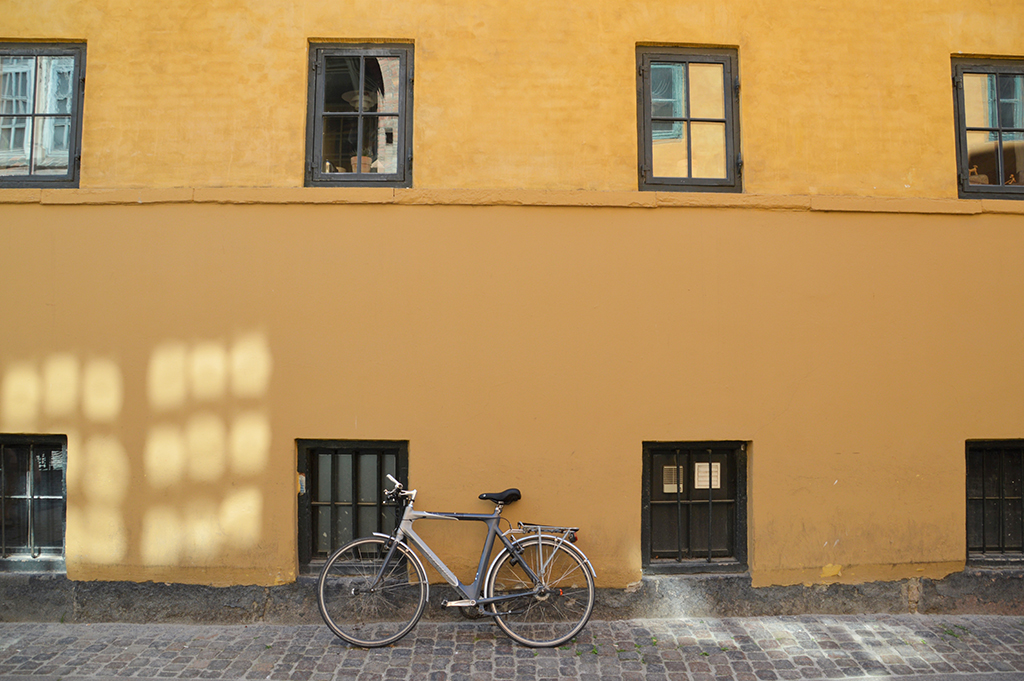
(344, 484)
(32, 501)
(694, 506)
(995, 517)
(41, 90)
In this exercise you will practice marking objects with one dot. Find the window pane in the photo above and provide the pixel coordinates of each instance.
(1011, 101)
(53, 85)
(382, 84)
(707, 97)
(48, 524)
(322, 529)
(982, 165)
(16, 85)
(368, 518)
(669, 154)
(51, 155)
(342, 525)
(323, 476)
(13, 145)
(979, 100)
(343, 478)
(667, 90)
(1013, 158)
(367, 480)
(340, 144)
(708, 146)
(665, 529)
(974, 467)
(1012, 525)
(380, 148)
(341, 84)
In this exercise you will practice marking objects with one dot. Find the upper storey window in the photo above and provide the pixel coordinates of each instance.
(688, 119)
(989, 98)
(360, 116)
(40, 114)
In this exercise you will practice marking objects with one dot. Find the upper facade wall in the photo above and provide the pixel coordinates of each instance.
(841, 99)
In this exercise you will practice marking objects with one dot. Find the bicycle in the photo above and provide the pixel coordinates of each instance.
(539, 589)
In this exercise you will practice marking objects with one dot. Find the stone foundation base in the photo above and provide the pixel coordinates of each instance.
(54, 598)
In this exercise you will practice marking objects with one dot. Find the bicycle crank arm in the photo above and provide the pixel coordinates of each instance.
(458, 604)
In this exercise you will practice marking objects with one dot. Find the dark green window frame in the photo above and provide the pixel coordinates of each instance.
(990, 145)
(666, 111)
(360, 137)
(693, 491)
(342, 497)
(41, 114)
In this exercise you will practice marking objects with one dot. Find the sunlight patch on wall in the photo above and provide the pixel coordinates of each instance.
(61, 378)
(206, 443)
(102, 391)
(20, 397)
(250, 443)
(164, 457)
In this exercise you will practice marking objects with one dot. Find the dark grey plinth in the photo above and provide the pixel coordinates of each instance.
(54, 598)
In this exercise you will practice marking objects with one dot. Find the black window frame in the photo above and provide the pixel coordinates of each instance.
(736, 561)
(729, 58)
(31, 557)
(994, 509)
(966, 190)
(70, 179)
(315, 174)
(307, 451)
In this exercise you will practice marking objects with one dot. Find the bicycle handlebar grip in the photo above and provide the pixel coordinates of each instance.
(398, 485)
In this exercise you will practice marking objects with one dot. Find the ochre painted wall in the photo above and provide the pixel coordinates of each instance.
(530, 346)
(837, 99)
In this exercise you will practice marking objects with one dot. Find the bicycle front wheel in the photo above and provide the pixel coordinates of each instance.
(547, 613)
(362, 609)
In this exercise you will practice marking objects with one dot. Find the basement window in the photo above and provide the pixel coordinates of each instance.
(694, 507)
(343, 495)
(995, 517)
(32, 502)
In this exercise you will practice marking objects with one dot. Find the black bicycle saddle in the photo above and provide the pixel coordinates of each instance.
(506, 497)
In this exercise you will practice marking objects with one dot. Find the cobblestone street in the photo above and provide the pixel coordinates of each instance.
(745, 649)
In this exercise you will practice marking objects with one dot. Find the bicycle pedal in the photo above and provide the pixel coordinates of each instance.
(458, 604)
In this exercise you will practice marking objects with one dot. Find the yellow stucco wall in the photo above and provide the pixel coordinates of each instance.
(847, 316)
(528, 346)
(847, 99)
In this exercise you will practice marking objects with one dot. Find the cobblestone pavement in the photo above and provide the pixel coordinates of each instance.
(745, 649)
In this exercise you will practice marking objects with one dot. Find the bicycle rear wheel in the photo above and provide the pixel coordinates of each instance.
(551, 612)
(365, 613)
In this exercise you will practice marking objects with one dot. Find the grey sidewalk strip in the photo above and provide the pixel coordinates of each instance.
(694, 649)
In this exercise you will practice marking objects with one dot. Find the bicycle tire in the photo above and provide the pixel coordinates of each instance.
(564, 604)
(371, 618)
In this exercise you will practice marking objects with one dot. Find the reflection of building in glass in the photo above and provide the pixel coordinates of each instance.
(994, 118)
(360, 122)
(35, 125)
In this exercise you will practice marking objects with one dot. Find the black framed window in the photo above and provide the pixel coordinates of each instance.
(359, 128)
(694, 506)
(688, 119)
(41, 93)
(989, 105)
(995, 489)
(33, 509)
(343, 493)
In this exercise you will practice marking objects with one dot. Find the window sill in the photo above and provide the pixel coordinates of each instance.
(691, 567)
(49, 565)
(995, 560)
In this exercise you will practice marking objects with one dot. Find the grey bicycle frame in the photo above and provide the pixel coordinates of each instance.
(472, 592)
